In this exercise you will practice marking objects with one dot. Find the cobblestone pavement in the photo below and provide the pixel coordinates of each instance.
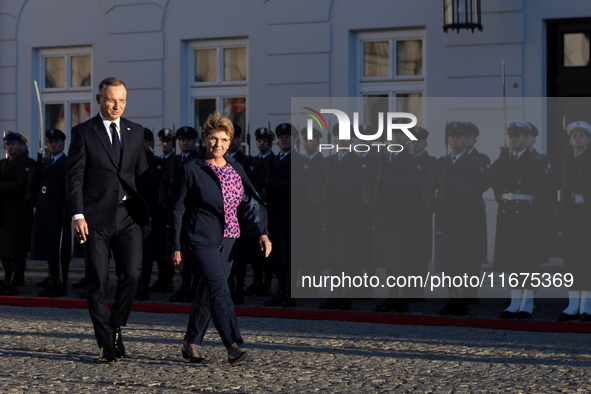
(53, 350)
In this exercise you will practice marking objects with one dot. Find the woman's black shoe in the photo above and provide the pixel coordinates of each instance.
(191, 359)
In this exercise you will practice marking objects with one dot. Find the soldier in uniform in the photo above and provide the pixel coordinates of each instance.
(187, 137)
(277, 192)
(308, 223)
(14, 231)
(575, 204)
(150, 244)
(400, 219)
(522, 177)
(51, 237)
(336, 193)
(250, 251)
(234, 149)
(453, 191)
(472, 133)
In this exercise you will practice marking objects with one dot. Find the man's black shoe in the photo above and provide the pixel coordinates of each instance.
(157, 286)
(387, 305)
(566, 317)
(344, 304)
(117, 340)
(331, 303)
(238, 299)
(81, 284)
(449, 308)
(461, 309)
(107, 356)
(277, 300)
(401, 306)
(179, 295)
(11, 289)
(524, 315)
(509, 315)
(143, 295)
(585, 317)
(289, 302)
(43, 283)
(82, 295)
(252, 289)
(167, 288)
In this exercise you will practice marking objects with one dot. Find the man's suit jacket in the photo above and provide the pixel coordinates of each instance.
(198, 203)
(93, 176)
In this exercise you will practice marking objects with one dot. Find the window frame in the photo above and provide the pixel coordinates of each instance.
(391, 85)
(220, 89)
(66, 95)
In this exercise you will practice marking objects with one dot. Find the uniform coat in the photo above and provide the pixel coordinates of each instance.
(14, 226)
(518, 221)
(52, 223)
(277, 193)
(481, 218)
(336, 192)
(577, 214)
(453, 192)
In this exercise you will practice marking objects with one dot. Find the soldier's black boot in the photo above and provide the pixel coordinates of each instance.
(54, 279)
(159, 284)
(143, 294)
(190, 295)
(12, 289)
(268, 282)
(81, 284)
(387, 305)
(182, 292)
(62, 289)
(44, 282)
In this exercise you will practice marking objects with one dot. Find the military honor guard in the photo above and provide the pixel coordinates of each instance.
(187, 137)
(575, 204)
(522, 178)
(51, 236)
(150, 245)
(336, 192)
(277, 194)
(453, 191)
(14, 226)
(262, 270)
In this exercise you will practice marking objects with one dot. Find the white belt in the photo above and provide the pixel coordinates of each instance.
(522, 197)
(579, 199)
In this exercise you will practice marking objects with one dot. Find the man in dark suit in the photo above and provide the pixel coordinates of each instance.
(51, 237)
(104, 185)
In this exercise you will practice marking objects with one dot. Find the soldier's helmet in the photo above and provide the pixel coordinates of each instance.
(316, 134)
(578, 126)
(186, 132)
(166, 133)
(419, 132)
(148, 135)
(11, 136)
(286, 128)
(471, 129)
(515, 127)
(55, 135)
(264, 133)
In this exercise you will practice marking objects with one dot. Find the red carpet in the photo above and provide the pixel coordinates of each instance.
(521, 325)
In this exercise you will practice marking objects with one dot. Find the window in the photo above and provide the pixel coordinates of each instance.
(219, 81)
(65, 84)
(390, 73)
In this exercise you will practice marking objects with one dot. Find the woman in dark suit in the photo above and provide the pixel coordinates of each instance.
(214, 203)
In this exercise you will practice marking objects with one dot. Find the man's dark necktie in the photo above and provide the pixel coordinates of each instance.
(117, 154)
(454, 158)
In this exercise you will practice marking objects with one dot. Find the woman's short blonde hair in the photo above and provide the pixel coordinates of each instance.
(216, 122)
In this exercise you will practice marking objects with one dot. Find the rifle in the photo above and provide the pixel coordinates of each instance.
(248, 136)
(4, 139)
(504, 106)
(41, 144)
